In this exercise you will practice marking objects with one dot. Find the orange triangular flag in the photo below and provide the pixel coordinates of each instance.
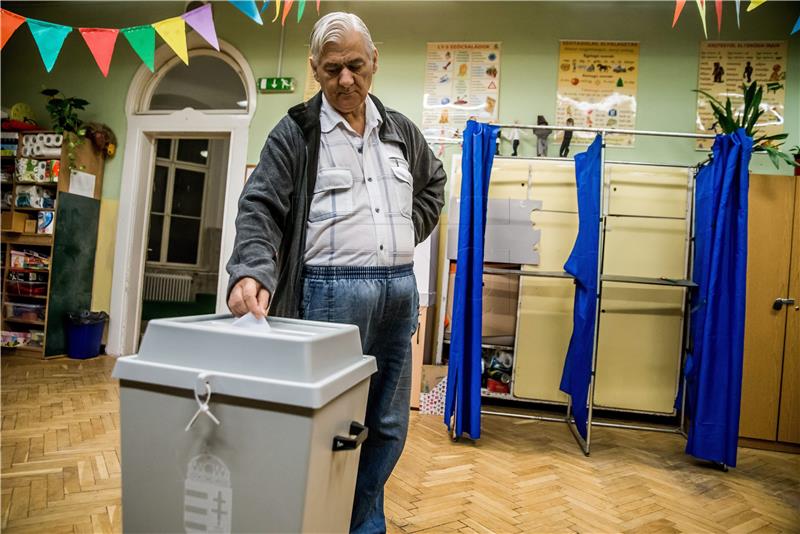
(9, 22)
(678, 8)
(101, 42)
(287, 6)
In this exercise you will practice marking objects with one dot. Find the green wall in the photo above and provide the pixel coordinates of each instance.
(529, 31)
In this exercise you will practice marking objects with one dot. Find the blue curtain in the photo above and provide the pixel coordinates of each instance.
(582, 264)
(464, 368)
(713, 367)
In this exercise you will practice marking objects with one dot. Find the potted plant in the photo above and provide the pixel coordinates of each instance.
(730, 121)
(64, 114)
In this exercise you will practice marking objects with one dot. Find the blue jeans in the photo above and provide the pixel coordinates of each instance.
(383, 302)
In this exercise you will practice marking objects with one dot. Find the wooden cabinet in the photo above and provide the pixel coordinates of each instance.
(770, 408)
(47, 274)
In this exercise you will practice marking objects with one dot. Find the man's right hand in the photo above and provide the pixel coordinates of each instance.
(248, 296)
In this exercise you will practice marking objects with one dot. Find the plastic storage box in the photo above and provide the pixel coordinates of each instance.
(25, 312)
(284, 455)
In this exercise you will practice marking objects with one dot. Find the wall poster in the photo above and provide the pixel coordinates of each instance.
(597, 83)
(725, 66)
(462, 81)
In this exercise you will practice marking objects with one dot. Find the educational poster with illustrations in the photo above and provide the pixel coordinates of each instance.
(462, 82)
(725, 66)
(597, 83)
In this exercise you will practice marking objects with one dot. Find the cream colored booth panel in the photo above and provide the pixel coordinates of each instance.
(552, 182)
(648, 191)
(645, 247)
(544, 325)
(639, 347)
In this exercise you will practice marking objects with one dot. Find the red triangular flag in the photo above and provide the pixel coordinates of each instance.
(678, 8)
(718, 5)
(9, 22)
(317, 7)
(101, 42)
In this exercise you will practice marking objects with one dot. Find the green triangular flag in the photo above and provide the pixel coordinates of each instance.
(49, 38)
(143, 42)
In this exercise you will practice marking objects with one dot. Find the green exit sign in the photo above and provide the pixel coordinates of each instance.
(276, 85)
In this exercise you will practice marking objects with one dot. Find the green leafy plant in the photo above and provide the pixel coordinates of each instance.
(730, 121)
(64, 112)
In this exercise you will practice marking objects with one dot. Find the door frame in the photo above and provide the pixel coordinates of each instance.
(137, 177)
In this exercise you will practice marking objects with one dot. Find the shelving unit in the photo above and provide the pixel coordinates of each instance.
(617, 281)
(65, 283)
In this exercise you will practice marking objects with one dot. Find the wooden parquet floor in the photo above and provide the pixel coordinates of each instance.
(61, 473)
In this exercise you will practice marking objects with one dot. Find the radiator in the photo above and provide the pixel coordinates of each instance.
(164, 287)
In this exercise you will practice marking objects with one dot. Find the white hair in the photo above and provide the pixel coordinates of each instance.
(332, 28)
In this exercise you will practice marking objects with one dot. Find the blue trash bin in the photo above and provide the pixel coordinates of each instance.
(85, 333)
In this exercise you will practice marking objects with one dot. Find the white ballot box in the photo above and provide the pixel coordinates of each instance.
(289, 399)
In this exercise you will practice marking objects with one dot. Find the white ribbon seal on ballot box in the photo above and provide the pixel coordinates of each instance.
(207, 497)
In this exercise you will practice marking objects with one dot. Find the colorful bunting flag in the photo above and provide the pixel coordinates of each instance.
(9, 22)
(754, 4)
(264, 7)
(49, 38)
(173, 31)
(143, 41)
(301, 7)
(701, 7)
(718, 6)
(277, 10)
(101, 43)
(796, 27)
(248, 7)
(319, 1)
(287, 6)
(738, 5)
(678, 8)
(202, 22)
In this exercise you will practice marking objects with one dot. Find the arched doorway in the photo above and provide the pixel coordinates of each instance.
(174, 114)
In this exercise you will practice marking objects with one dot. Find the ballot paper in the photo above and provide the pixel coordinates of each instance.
(249, 321)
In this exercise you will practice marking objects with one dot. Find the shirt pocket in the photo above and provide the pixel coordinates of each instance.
(333, 194)
(402, 191)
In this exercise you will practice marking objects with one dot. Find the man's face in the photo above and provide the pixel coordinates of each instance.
(345, 72)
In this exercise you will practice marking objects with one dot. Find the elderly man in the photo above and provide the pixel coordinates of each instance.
(326, 231)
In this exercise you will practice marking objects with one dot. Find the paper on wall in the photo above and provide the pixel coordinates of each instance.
(462, 82)
(81, 183)
(727, 65)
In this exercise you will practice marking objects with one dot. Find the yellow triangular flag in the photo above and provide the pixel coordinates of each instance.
(701, 7)
(173, 31)
(754, 4)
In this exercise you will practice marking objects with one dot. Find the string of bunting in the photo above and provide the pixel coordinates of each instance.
(50, 37)
(701, 8)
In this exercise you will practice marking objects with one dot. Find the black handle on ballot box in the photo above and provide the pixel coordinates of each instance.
(358, 433)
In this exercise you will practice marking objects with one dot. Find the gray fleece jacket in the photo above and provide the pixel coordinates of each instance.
(273, 208)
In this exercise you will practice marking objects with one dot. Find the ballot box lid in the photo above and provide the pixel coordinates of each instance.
(302, 363)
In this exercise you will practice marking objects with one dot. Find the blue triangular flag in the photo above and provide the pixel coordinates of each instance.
(796, 26)
(248, 7)
(266, 3)
(49, 38)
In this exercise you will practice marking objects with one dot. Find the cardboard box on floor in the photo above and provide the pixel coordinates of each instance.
(500, 295)
(419, 348)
